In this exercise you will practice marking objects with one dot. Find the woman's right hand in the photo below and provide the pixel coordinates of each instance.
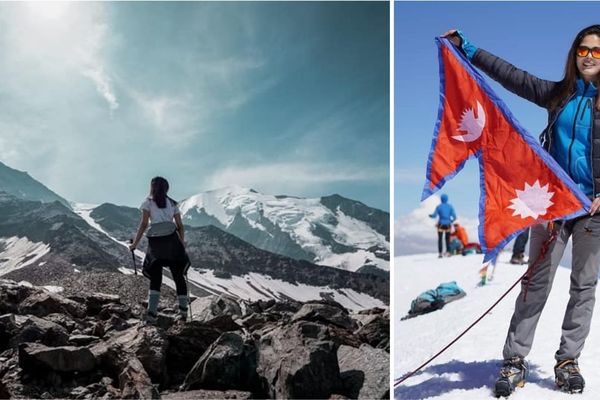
(452, 36)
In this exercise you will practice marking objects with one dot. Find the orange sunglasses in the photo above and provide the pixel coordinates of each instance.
(583, 51)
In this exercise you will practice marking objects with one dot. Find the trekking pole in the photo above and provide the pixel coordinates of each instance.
(187, 286)
(133, 257)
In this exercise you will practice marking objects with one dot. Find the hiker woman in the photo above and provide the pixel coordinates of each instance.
(571, 137)
(165, 246)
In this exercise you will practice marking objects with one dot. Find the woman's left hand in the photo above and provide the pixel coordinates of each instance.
(132, 247)
(595, 206)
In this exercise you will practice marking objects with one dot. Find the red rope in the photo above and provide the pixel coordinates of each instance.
(528, 273)
(543, 251)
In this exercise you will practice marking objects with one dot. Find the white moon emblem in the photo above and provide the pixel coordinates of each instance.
(473, 126)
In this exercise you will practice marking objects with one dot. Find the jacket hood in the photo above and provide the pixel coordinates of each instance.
(444, 198)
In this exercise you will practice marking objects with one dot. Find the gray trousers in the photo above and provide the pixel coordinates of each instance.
(584, 276)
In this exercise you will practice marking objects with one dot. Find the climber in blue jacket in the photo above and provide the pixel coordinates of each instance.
(446, 215)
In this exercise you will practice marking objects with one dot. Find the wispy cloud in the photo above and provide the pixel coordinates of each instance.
(103, 85)
(409, 175)
(292, 175)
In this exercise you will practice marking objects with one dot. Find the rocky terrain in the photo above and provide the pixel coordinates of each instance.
(83, 344)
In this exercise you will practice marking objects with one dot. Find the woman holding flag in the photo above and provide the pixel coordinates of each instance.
(572, 138)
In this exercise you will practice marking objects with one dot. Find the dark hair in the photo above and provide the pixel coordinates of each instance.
(566, 86)
(158, 191)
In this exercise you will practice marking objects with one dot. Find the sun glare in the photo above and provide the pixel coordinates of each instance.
(47, 10)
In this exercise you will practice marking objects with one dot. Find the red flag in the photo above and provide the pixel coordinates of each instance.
(520, 182)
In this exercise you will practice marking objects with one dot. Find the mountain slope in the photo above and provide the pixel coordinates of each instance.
(328, 231)
(30, 228)
(469, 368)
(24, 187)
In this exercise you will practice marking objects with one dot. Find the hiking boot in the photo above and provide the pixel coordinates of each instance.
(518, 259)
(512, 375)
(567, 376)
(151, 318)
(183, 313)
(440, 255)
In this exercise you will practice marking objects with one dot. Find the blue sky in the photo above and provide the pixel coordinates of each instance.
(534, 36)
(286, 98)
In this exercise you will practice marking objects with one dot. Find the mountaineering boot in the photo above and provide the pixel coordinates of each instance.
(567, 376)
(518, 259)
(183, 312)
(151, 318)
(513, 374)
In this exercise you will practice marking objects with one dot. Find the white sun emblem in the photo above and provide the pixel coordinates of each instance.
(532, 201)
(471, 124)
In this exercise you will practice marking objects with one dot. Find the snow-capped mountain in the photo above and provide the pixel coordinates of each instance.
(469, 368)
(330, 230)
(45, 242)
(223, 263)
(24, 187)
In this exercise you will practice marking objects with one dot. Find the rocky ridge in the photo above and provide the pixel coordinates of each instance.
(82, 344)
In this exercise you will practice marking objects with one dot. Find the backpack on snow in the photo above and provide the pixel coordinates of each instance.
(434, 299)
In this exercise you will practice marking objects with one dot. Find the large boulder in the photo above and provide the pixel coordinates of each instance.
(144, 343)
(187, 343)
(36, 329)
(365, 372)
(13, 293)
(44, 303)
(63, 320)
(94, 302)
(376, 332)
(206, 308)
(135, 383)
(36, 358)
(8, 329)
(229, 363)
(298, 361)
(325, 311)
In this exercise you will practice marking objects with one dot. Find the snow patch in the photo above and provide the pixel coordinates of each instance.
(54, 289)
(253, 286)
(19, 252)
(353, 261)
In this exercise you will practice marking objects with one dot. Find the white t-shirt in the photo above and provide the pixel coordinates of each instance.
(160, 214)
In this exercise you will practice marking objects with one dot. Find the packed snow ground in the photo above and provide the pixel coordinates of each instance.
(469, 368)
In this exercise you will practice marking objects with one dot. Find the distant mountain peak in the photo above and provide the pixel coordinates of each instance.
(21, 185)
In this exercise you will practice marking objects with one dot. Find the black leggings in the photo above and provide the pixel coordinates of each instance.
(177, 272)
(447, 240)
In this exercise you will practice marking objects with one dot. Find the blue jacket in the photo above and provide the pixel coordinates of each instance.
(445, 211)
(572, 136)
